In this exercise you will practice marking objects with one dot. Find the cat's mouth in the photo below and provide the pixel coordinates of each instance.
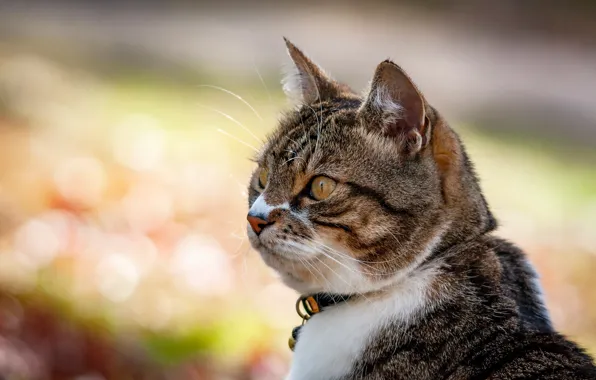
(295, 270)
(286, 248)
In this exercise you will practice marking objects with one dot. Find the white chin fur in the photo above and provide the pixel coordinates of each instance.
(332, 341)
(340, 335)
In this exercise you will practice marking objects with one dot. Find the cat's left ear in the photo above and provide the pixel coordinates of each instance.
(307, 82)
(396, 108)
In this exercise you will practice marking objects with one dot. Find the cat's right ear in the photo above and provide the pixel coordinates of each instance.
(395, 107)
(306, 82)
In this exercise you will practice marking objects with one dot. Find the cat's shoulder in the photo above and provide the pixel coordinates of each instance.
(534, 355)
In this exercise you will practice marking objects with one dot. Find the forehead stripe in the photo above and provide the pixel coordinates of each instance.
(313, 120)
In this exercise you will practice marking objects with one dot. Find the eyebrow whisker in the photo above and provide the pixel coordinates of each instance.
(236, 95)
(236, 138)
(294, 158)
(244, 127)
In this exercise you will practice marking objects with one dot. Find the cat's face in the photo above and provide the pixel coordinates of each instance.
(337, 201)
(348, 194)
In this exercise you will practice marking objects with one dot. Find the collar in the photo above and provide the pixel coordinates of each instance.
(309, 305)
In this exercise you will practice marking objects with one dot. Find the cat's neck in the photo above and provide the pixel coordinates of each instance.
(331, 342)
(339, 334)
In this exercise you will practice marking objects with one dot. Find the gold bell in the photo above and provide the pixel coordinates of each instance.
(294, 337)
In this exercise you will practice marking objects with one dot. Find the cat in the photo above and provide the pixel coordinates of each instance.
(519, 281)
(372, 204)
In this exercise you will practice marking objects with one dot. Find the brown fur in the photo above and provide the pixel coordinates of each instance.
(406, 199)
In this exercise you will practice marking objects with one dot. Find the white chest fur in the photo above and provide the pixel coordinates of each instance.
(331, 341)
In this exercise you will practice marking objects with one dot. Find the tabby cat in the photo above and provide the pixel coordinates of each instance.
(369, 207)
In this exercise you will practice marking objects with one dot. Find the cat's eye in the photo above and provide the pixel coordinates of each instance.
(322, 187)
(263, 178)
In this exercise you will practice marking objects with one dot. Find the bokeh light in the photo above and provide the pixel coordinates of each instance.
(125, 146)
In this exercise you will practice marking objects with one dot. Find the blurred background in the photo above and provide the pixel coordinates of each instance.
(126, 130)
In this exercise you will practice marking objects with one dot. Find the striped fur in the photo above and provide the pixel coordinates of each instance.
(408, 232)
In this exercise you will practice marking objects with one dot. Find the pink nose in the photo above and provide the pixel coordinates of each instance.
(257, 224)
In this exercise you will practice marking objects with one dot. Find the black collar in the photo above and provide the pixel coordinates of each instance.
(307, 306)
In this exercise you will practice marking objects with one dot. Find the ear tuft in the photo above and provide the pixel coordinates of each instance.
(396, 108)
(292, 84)
(382, 102)
(306, 81)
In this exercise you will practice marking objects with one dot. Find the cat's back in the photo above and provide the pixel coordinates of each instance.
(520, 282)
(528, 355)
(481, 333)
(495, 353)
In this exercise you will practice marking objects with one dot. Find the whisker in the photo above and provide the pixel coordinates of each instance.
(234, 95)
(371, 262)
(294, 158)
(263, 82)
(320, 122)
(386, 229)
(371, 269)
(343, 255)
(241, 237)
(327, 282)
(319, 127)
(294, 141)
(237, 139)
(318, 243)
(238, 251)
(245, 263)
(339, 262)
(308, 266)
(233, 120)
(305, 248)
(299, 246)
(332, 250)
(241, 186)
(341, 278)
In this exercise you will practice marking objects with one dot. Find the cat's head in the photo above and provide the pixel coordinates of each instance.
(351, 192)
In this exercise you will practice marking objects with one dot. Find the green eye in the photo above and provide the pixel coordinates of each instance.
(263, 178)
(322, 187)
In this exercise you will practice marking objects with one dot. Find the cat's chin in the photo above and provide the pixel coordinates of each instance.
(290, 267)
(283, 251)
(300, 286)
(280, 259)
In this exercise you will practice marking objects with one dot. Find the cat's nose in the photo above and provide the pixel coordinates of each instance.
(257, 224)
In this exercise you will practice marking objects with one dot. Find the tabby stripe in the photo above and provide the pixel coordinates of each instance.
(554, 374)
(316, 116)
(333, 225)
(371, 193)
(476, 338)
(336, 214)
(520, 352)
